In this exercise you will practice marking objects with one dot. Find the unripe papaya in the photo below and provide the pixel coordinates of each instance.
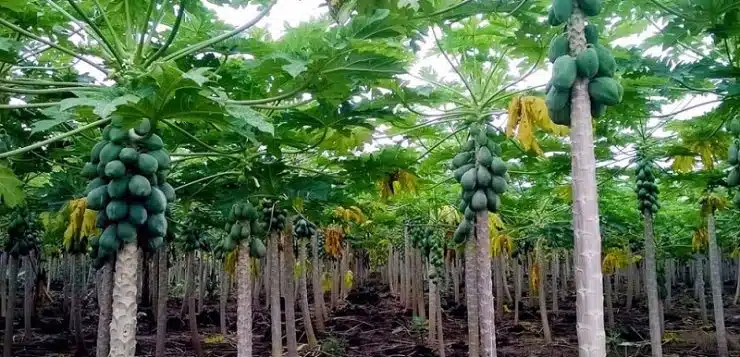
(564, 72)
(559, 46)
(587, 63)
(604, 90)
(562, 9)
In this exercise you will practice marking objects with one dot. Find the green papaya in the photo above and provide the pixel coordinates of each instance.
(604, 90)
(559, 46)
(117, 134)
(96, 150)
(494, 148)
(557, 99)
(498, 167)
(736, 199)
(498, 184)
(467, 195)
(483, 177)
(98, 198)
(246, 230)
(257, 248)
(590, 7)
(108, 242)
(90, 170)
(235, 231)
(137, 214)
(461, 159)
(462, 206)
(110, 152)
(732, 154)
(552, 20)
(156, 202)
(116, 210)
(460, 171)
(607, 64)
(128, 155)
(147, 164)
(157, 224)
(144, 127)
(735, 126)
(587, 63)
(463, 231)
(169, 192)
(469, 145)
(564, 72)
(163, 159)
(484, 156)
(479, 202)
(154, 142)
(562, 9)
(468, 180)
(592, 34)
(139, 186)
(481, 138)
(118, 187)
(156, 242)
(597, 109)
(733, 179)
(115, 169)
(493, 202)
(469, 214)
(126, 232)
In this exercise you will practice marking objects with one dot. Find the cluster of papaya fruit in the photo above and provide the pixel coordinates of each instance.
(128, 171)
(733, 157)
(482, 174)
(273, 216)
(243, 224)
(594, 63)
(302, 228)
(429, 241)
(647, 191)
(23, 235)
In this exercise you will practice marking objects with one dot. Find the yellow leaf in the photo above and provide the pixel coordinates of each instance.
(683, 163)
(326, 282)
(565, 192)
(214, 339)
(514, 114)
(534, 279)
(230, 262)
(348, 279)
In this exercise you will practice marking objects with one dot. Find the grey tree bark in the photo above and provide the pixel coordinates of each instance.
(485, 287)
(162, 295)
(74, 270)
(289, 266)
(554, 281)
(190, 298)
(123, 311)
(244, 302)
(105, 290)
(517, 289)
(277, 335)
(609, 300)
(699, 287)
(651, 287)
(303, 294)
(542, 294)
(587, 256)
(10, 312)
(471, 296)
(222, 299)
(716, 280)
(28, 284)
(3, 284)
(318, 293)
(737, 282)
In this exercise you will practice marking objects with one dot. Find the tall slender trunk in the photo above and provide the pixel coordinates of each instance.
(145, 292)
(517, 289)
(202, 281)
(162, 295)
(716, 281)
(566, 274)
(554, 281)
(499, 279)
(407, 289)
(651, 287)
(277, 335)
(318, 293)
(667, 283)
(699, 287)
(105, 290)
(74, 269)
(4, 285)
(432, 330)
(630, 285)
(504, 268)
(335, 281)
(471, 296)
(222, 299)
(123, 312)
(590, 294)
(485, 287)
(440, 327)
(456, 278)
(737, 281)
(419, 274)
(10, 312)
(289, 266)
(609, 300)
(28, 299)
(244, 301)
(192, 312)
(542, 295)
(303, 295)
(153, 266)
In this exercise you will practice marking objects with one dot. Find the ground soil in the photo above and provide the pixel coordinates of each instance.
(372, 324)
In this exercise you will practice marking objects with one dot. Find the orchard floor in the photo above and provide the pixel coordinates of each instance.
(372, 324)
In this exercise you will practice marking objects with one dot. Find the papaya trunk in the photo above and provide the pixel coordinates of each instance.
(609, 300)
(74, 269)
(667, 284)
(318, 293)
(303, 295)
(190, 298)
(651, 287)
(162, 292)
(202, 281)
(244, 302)
(222, 299)
(28, 299)
(485, 287)
(499, 279)
(105, 286)
(432, 330)
(123, 312)
(456, 278)
(277, 335)
(542, 294)
(407, 289)
(440, 329)
(471, 297)
(289, 266)
(590, 294)
(554, 281)
(4, 285)
(699, 287)
(630, 285)
(716, 282)
(10, 312)
(517, 290)
(737, 282)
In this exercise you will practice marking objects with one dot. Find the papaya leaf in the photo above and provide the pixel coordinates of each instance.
(11, 192)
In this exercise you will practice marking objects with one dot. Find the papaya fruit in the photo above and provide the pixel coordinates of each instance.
(494, 148)
(557, 99)
(493, 202)
(607, 64)
(108, 242)
(126, 232)
(461, 159)
(95, 154)
(116, 210)
(169, 191)
(257, 248)
(735, 126)
(587, 63)
(552, 20)
(144, 127)
(468, 180)
(564, 71)
(156, 202)
(467, 195)
(139, 186)
(115, 169)
(481, 138)
(110, 152)
(235, 231)
(592, 34)
(469, 145)
(462, 206)
(117, 134)
(154, 142)
(463, 231)
(562, 9)
(732, 154)
(590, 7)
(736, 199)
(498, 184)
(604, 90)
(118, 187)
(101, 220)
(128, 156)
(559, 46)
(484, 156)
(98, 198)
(483, 177)
(147, 164)
(597, 109)
(733, 179)
(101, 169)
(246, 230)
(162, 175)
(157, 224)
(479, 202)
(137, 214)
(106, 132)
(90, 170)
(156, 242)
(469, 214)
(163, 159)
(498, 167)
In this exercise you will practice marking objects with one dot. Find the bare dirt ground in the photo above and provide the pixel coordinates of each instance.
(372, 324)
